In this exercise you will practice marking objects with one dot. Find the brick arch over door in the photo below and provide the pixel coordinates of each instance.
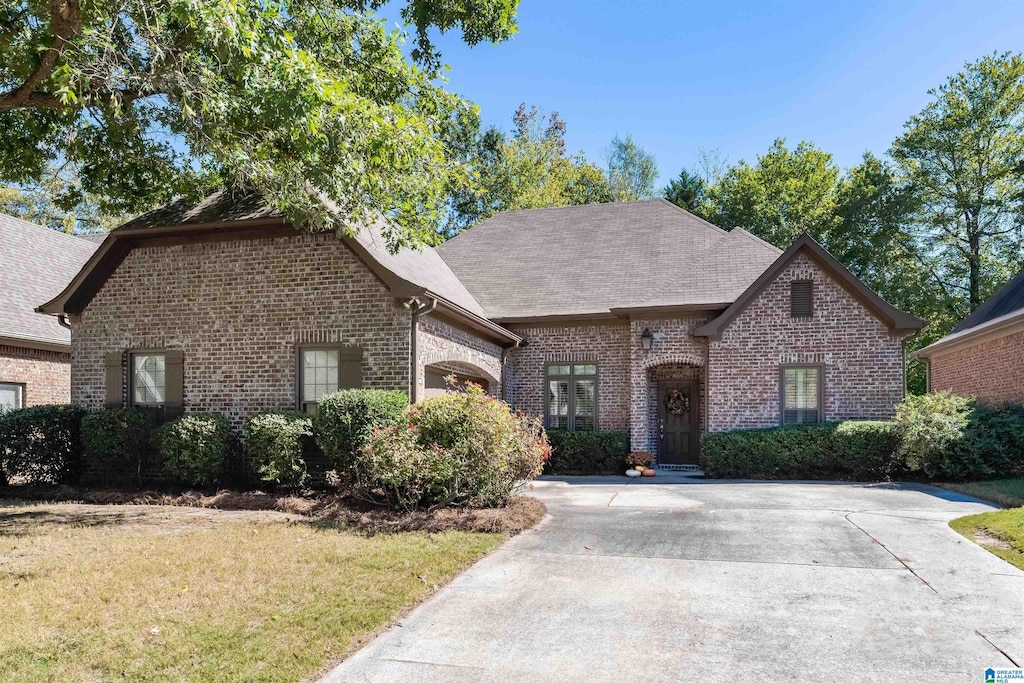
(441, 345)
(685, 370)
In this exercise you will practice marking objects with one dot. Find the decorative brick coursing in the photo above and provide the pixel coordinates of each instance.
(606, 344)
(991, 370)
(444, 345)
(863, 362)
(674, 348)
(45, 374)
(238, 310)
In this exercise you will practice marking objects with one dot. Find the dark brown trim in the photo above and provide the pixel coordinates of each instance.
(35, 344)
(782, 389)
(670, 310)
(548, 377)
(345, 352)
(896, 320)
(695, 384)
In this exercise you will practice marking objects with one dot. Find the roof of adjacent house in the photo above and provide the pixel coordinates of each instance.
(1008, 299)
(592, 259)
(35, 264)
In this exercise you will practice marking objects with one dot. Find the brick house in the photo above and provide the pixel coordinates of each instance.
(636, 316)
(35, 350)
(981, 357)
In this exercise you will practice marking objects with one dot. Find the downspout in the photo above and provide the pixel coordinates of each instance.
(419, 309)
(63, 320)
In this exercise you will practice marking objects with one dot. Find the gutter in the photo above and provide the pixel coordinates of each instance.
(419, 309)
(995, 328)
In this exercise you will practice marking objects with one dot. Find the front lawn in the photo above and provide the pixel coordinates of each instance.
(1008, 493)
(1000, 532)
(159, 593)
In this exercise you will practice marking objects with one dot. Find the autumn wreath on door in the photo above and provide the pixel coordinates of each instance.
(677, 402)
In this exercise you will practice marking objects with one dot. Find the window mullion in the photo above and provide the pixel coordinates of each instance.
(572, 403)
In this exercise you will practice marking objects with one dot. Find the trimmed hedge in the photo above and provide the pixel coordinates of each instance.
(42, 444)
(275, 443)
(849, 450)
(345, 420)
(195, 446)
(117, 441)
(581, 453)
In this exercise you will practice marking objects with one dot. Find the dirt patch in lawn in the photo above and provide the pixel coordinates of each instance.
(338, 509)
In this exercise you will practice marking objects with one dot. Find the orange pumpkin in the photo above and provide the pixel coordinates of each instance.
(640, 468)
(648, 472)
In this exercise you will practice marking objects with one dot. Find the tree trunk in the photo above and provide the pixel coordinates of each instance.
(974, 262)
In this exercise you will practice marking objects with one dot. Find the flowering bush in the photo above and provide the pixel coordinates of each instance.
(639, 458)
(195, 446)
(464, 449)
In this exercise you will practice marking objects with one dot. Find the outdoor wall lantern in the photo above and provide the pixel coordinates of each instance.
(647, 339)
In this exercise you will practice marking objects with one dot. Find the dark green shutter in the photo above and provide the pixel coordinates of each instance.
(114, 379)
(350, 371)
(174, 387)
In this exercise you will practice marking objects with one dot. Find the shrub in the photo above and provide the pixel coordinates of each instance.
(116, 441)
(42, 444)
(194, 447)
(850, 450)
(639, 458)
(465, 449)
(954, 438)
(345, 420)
(275, 443)
(575, 453)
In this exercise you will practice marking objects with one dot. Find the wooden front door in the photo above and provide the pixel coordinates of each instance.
(678, 423)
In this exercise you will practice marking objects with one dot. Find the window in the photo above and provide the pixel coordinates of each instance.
(12, 396)
(572, 397)
(803, 394)
(801, 299)
(319, 375)
(149, 379)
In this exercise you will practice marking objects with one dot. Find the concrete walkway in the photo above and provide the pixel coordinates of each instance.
(676, 579)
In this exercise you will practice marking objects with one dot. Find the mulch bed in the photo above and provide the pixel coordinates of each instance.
(340, 509)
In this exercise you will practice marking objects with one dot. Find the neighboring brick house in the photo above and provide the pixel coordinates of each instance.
(636, 316)
(35, 349)
(982, 356)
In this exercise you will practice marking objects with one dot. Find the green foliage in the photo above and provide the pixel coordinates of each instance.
(577, 453)
(42, 444)
(117, 441)
(275, 443)
(147, 101)
(687, 191)
(345, 420)
(953, 438)
(632, 170)
(195, 446)
(463, 449)
(41, 202)
(851, 450)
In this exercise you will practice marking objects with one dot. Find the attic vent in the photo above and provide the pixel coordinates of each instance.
(801, 299)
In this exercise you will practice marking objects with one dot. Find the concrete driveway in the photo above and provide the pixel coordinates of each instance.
(688, 580)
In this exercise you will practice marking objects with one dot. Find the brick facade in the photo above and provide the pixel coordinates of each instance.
(239, 310)
(863, 362)
(990, 369)
(45, 374)
(446, 346)
(607, 344)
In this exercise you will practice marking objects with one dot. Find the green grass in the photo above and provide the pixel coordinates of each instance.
(1007, 493)
(174, 595)
(1000, 532)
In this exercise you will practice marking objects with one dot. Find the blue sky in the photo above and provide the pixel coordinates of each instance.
(729, 75)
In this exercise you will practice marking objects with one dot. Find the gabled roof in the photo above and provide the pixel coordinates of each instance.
(592, 259)
(35, 262)
(1001, 314)
(408, 272)
(895, 319)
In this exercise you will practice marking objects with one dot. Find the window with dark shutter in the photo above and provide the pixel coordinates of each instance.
(324, 370)
(571, 397)
(801, 298)
(156, 381)
(802, 395)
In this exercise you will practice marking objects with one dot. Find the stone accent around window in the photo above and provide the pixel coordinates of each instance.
(991, 370)
(238, 310)
(443, 345)
(862, 360)
(45, 374)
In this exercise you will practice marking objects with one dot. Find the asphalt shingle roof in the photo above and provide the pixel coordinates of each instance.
(594, 258)
(35, 265)
(1007, 299)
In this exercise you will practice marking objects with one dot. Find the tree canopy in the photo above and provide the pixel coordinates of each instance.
(315, 105)
(632, 170)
